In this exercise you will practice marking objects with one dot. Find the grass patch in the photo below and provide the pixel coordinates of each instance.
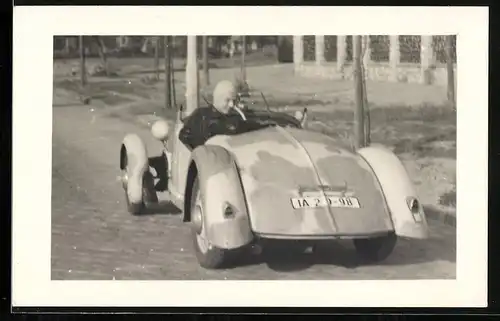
(449, 198)
(109, 92)
(152, 108)
(408, 129)
(114, 100)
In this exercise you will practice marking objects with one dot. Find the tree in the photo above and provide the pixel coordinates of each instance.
(243, 57)
(242, 84)
(206, 78)
(156, 41)
(101, 48)
(366, 109)
(359, 110)
(450, 71)
(168, 73)
(83, 68)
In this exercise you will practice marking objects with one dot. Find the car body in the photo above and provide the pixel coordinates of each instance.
(279, 182)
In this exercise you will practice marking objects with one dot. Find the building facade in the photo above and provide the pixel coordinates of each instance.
(415, 59)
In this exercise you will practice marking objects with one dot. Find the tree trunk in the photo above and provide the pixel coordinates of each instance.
(83, 69)
(168, 74)
(358, 94)
(366, 109)
(450, 71)
(243, 54)
(206, 79)
(101, 47)
(157, 58)
(172, 70)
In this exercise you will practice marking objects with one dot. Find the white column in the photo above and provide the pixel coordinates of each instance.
(298, 51)
(341, 52)
(427, 58)
(192, 90)
(394, 56)
(319, 49)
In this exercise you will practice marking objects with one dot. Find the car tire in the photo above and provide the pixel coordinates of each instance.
(210, 256)
(148, 194)
(376, 249)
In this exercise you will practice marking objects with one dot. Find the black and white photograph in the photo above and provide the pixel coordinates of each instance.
(195, 157)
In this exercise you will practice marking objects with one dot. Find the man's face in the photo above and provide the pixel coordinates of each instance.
(224, 97)
(229, 102)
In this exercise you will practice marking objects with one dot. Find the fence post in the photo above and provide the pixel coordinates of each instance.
(319, 48)
(341, 52)
(358, 94)
(298, 52)
(427, 59)
(394, 56)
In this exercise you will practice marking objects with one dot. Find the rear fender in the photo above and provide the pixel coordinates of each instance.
(220, 186)
(397, 188)
(133, 154)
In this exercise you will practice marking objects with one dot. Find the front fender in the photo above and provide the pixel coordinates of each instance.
(134, 157)
(220, 186)
(397, 188)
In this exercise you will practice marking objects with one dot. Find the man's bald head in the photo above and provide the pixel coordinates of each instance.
(224, 95)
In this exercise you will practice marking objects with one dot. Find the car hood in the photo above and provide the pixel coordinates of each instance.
(278, 164)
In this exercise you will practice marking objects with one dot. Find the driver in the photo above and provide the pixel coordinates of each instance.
(206, 122)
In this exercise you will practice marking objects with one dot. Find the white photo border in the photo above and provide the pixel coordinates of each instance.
(33, 31)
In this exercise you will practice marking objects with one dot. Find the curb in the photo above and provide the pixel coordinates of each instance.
(442, 215)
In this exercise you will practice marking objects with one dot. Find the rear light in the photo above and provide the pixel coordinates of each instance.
(228, 211)
(414, 207)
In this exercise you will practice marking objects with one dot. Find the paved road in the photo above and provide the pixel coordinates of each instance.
(93, 236)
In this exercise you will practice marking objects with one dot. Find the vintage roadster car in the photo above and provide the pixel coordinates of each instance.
(277, 181)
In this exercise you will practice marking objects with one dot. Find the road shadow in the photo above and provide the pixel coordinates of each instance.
(342, 253)
(161, 208)
(165, 207)
(160, 165)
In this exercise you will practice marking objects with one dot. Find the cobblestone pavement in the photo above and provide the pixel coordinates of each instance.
(93, 236)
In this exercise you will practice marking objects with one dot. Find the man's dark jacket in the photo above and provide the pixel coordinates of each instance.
(204, 123)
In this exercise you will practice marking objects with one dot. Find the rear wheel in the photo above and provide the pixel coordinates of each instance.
(208, 255)
(376, 249)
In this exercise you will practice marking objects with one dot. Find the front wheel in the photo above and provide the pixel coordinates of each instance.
(208, 255)
(148, 192)
(376, 249)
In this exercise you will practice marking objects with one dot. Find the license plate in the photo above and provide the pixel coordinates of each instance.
(329, 201)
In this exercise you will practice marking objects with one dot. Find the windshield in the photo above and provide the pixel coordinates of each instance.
(270, 118)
